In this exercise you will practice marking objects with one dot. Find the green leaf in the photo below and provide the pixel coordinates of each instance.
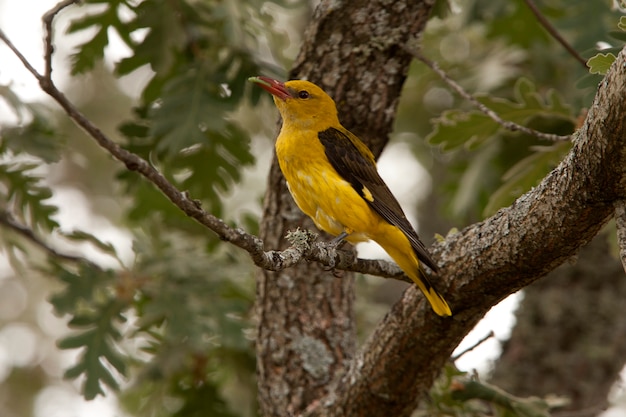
(90, 20)
(472, 129)
(13, 101)
(201, 401)
(80, 287)
(26, 195)
(208, 297)
(96, 336)
(149, 201)
(89, 53)
(455, 128)
(526, 174)
(92, 51)
(75, 371)
(115, 359)
(516, 23)
(508, 404)
(168, 24)
(82, 236)
(622, 23)
(589, 81)
(213, 167)
(33, 133)
(618, 34)
(78, 340)
(185, 123)
(600, 63)
(203, 151)
(36, 138)
(134, 129)
(529, 103)
(192, 104)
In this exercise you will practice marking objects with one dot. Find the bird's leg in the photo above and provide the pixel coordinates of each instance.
(338, 240)
(336, 243)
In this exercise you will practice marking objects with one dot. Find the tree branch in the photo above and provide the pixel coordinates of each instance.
(474, 346)
(555, 34)
(20, 56)
(489, 260)
(465, 390)
(304, 247)
(514, 127)
(47, 20)
(7, 221)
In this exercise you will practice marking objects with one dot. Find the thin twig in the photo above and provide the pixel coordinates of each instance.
(474, 346)
(19, 55)
(7, 221)
(620, 222)
(326, 253)
(555, 34)
(514, 127)
(47, 22)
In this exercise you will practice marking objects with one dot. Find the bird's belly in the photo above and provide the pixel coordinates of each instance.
(331, 202)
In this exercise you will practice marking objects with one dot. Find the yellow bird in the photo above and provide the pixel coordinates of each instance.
(332, 176)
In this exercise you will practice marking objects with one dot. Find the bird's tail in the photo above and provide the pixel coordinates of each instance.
(406, 259)
(437, 302)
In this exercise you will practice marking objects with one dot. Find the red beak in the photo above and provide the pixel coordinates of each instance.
(272, 86)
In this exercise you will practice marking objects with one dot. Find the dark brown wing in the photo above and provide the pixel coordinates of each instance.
(361, 172)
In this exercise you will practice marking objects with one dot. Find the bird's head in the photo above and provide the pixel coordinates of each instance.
(301, 103)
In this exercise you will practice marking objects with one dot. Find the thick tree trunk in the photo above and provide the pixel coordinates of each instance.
(570, 335)
(306, 330)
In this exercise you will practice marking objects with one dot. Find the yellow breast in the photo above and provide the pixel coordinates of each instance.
(318, 190)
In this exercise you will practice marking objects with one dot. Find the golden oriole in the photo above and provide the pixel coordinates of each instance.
(332, 176)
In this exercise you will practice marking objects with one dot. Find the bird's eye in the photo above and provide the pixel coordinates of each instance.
(303, 94)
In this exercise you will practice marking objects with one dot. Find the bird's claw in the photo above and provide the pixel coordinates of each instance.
(332, 245)
(338, 240)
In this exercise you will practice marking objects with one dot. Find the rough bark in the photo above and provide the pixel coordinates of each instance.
(306, 332)
(576, 312)
(305, 318)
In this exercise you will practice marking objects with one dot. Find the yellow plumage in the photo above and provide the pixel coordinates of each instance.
(332, 177)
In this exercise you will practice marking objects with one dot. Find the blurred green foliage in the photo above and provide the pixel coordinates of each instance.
(462, 394)
(473, 130)
(199, 55)
(498, 52)
(24, 194)
(172, 325)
